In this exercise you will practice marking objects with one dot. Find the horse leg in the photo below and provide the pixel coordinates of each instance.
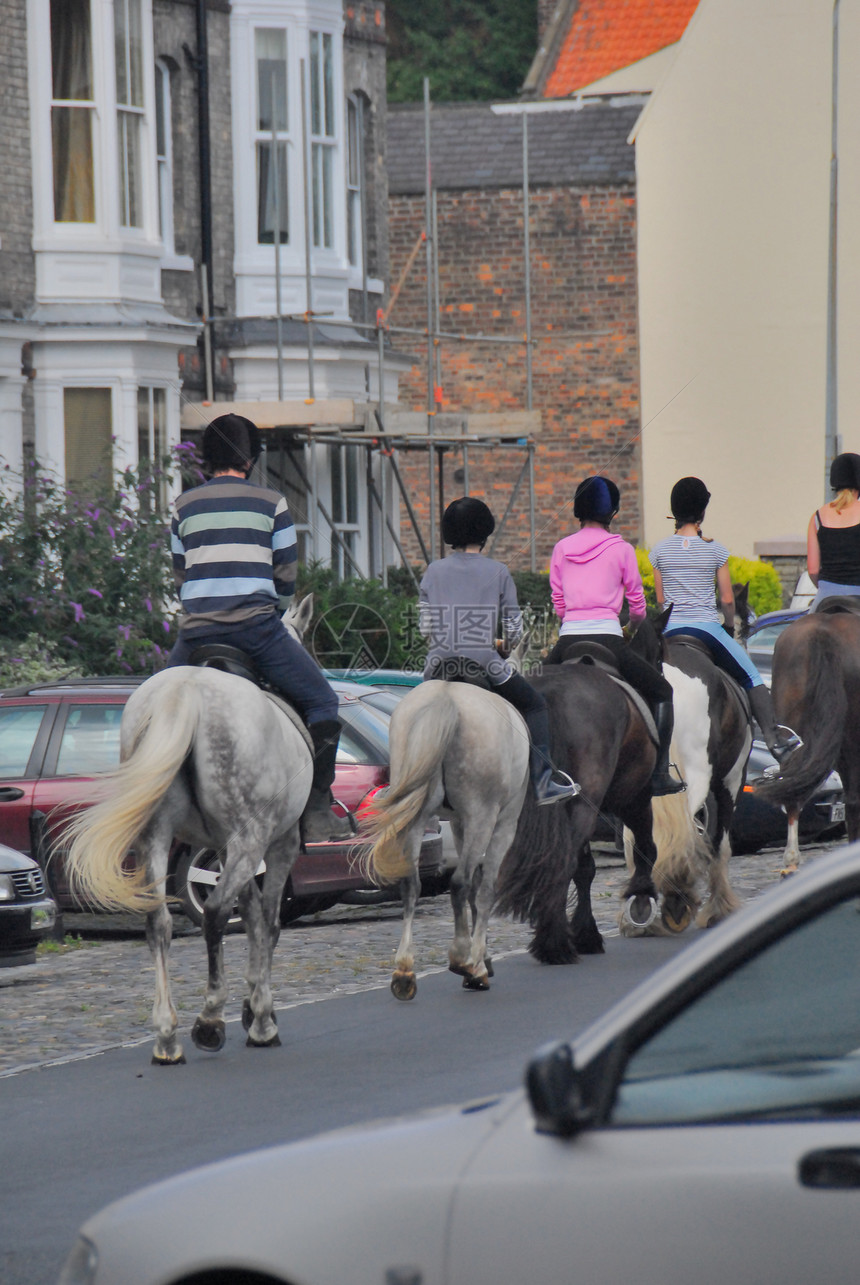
(152, 850)
(239, 867)
(479, 967)
(639, 912)
(586, 934)
(722, 899)
(469, 890)
(791, 858)
(262, 921)
(403, 983)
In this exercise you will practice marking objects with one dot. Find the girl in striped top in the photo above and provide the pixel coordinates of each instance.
(686, 568)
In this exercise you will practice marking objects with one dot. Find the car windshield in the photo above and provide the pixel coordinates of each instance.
(765, 639)
(779, 1035)
(370, 725)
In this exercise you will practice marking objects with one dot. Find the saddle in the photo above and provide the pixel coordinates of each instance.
(695, 644)
(232, 660)
(460, 669)
(592, 653)
(838, 604)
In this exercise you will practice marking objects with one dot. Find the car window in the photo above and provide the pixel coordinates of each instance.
(351, 750)
(386, 701)
(776, 1038)
(19, 727)
(369, 726)
(765, 639)
(90, 741)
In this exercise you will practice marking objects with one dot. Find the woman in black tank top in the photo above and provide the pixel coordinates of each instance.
(833, 537)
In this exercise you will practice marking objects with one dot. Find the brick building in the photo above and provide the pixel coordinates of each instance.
(585, 363)
(146, 139)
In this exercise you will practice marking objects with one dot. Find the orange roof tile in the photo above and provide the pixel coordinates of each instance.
(606, 35)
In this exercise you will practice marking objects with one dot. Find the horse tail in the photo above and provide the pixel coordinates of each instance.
(424, 744)
(823, 690)
(535, 875)
(102, 836)
(682, 850)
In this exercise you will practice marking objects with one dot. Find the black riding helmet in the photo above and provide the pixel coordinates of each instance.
(689, 499)
(231, 442)
(467, 521)
(597, 499)
(845, 472)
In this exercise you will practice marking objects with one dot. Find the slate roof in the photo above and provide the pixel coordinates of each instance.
(473, 147)
(605, 35)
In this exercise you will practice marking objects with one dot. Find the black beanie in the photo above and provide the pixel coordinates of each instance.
(467, 521)
(689, 499)
(597, 499)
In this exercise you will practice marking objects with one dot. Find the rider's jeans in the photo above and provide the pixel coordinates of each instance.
(277, 657)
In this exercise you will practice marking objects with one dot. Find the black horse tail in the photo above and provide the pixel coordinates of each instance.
(823, 695)
(535, 877)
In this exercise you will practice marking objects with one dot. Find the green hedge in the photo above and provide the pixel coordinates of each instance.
(765, 593)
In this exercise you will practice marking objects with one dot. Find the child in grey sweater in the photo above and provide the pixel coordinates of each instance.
(464, 599)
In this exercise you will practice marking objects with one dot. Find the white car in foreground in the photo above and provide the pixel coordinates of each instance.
(706, 1129)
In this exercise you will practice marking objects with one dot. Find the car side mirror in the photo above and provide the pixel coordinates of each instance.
(554, 1088)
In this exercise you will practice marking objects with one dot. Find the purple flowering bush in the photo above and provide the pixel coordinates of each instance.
(86, 584)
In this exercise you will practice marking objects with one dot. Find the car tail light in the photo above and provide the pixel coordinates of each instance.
(365, 807)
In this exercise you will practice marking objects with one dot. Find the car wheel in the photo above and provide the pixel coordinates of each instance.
(195, 874)
(369, 896)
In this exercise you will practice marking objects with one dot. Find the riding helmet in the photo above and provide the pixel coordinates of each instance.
(231, 442)
(597, 499)
(689, 499)
(467, 521)
(845, 472)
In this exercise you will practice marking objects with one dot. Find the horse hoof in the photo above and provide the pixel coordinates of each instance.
(161, 1059)
(460, 969)
(404, 986)
(471, 983)
(637, 916)
(210, 1037)
(678, 925)
(488, 964)
(248, 1017)
(273, 1043)
(787, 872)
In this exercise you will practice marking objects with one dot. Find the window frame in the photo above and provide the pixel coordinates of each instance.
(263, 137)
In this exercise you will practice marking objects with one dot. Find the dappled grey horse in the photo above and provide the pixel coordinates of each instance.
(462, 752)
(206, 759)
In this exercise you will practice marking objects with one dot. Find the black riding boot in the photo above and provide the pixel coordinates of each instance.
(541, 770)
(319, 824)
(662, 780)
(781, 741)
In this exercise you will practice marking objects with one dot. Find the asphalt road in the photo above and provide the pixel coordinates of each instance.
(79, 1134)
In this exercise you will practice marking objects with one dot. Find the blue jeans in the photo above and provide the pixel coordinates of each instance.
(278, 658)
(728, 654)
(828, 589)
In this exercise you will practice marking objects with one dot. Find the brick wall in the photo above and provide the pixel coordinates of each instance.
(17, 261)
(585, 362)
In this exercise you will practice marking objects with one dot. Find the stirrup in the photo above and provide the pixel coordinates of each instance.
(549, 791)
(791, 743)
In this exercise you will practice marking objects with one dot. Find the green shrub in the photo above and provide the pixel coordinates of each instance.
(765, 592)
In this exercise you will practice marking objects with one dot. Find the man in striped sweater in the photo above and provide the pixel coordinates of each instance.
(234, 564)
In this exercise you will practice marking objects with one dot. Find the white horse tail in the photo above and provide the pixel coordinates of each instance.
(424, 744)
(102, 836)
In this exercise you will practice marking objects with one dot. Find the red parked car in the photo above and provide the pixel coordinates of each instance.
(56, 737)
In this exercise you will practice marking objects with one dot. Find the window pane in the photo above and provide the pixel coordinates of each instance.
(120, 42)
(322, 157)
(88, 429)
(351, 462)
(19, 727)
(271, 49)
(266, 205)
(162, 89)
(135, 53)
(159, 424)
(71, 60)
(353, 167)
(144, 448)
(316, 114)
(72, 141)
(328, 82)
(90, 740)
(128, 139)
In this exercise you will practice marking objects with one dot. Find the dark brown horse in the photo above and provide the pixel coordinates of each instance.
(816, 690)
(600, 738)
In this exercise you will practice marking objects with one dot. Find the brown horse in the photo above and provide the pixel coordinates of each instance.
(816, 690)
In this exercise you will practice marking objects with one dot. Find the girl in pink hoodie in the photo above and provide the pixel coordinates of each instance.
(591, 572)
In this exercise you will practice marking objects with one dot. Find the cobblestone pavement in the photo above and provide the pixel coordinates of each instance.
(98, 994)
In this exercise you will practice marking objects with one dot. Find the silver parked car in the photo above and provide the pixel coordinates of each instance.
(707, 1128)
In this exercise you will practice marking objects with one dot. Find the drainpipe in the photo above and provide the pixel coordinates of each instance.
(200, 63)
(831, 418)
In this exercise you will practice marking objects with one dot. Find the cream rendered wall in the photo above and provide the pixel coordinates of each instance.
(733, 155)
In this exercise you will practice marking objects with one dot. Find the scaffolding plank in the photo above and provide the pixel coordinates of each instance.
(324, 412)
(403, 423)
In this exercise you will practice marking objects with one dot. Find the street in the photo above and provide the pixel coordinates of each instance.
(86, 1129)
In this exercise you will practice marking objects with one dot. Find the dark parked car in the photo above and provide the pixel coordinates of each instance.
(763, 635)
(55, 737)
(757, 824)
(27, 912)
(706, 1127)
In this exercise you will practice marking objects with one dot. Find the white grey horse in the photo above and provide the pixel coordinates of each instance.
(209, 760)
(462, 752)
